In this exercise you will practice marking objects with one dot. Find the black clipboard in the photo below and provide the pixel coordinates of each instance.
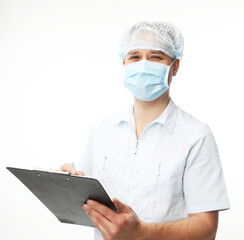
(64, 194)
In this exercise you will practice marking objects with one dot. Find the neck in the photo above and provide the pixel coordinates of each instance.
(147, 112)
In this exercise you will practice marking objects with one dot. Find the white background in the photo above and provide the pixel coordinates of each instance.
(60, 73)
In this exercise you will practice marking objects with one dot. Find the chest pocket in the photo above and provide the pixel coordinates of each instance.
(111, 171)
(157, 186)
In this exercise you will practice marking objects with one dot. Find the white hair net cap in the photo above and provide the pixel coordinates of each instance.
(158, 36)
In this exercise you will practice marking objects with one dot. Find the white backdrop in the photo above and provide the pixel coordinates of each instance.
(59, 74)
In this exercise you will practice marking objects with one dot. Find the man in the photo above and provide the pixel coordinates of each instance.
(160, 162)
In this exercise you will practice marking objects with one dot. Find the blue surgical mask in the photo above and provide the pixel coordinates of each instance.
(146, 80)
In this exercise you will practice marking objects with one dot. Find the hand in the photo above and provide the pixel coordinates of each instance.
(112, 225)
(69, 168)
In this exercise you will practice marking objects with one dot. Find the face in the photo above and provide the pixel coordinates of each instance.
(154, 56)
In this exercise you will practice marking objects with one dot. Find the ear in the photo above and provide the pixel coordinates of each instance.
(176, 66)
(123, 62)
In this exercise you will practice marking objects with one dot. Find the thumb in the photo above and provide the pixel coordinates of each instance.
(123, 208)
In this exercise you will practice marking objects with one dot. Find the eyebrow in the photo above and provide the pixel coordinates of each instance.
(133, 52)
(157, 52)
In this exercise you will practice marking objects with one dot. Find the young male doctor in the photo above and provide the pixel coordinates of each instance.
(159, 161)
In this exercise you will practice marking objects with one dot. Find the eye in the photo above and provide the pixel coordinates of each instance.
(134, 57)
(156, 57)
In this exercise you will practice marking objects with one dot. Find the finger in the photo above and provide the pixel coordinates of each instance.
(103, 231)
(68, 168)
(80, 173)
(102, 209)
(100, 222)
(123, 208)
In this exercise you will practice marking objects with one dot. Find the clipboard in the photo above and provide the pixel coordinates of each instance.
(64, 194)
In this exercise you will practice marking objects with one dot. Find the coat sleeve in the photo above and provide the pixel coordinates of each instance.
(203, 181)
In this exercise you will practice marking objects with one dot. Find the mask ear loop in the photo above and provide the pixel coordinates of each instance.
(169, 71)
(172, 63)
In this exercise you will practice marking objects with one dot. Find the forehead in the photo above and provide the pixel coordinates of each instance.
(148, 51)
